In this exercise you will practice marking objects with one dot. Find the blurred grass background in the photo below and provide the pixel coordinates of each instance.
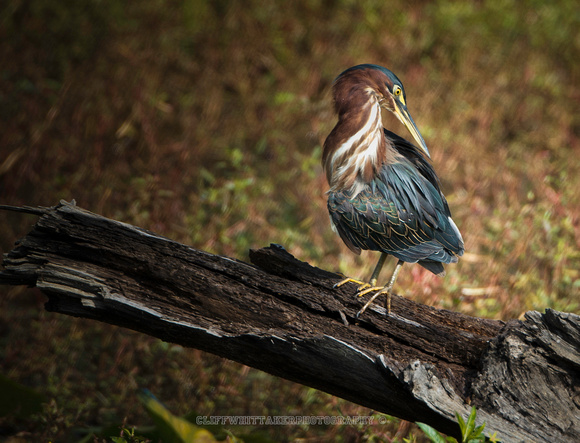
(203, 121)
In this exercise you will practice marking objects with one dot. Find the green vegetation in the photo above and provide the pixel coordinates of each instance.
(203, 121)
(469, 432)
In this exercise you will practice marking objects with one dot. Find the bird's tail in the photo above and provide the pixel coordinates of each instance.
(434, 266)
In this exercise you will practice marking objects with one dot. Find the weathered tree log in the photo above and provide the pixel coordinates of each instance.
(283, 316)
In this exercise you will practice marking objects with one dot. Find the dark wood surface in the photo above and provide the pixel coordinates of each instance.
(284, 317)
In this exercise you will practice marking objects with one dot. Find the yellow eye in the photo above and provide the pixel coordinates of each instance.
(397, 90)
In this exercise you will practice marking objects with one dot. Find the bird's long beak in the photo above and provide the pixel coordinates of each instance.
(404, 117)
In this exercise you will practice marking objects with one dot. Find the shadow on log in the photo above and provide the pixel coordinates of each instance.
(283, 316)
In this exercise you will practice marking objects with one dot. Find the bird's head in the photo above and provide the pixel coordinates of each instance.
(353, 87)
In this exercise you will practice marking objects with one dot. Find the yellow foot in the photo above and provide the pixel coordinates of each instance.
(368, 290)
(380, 291)
(362, 284)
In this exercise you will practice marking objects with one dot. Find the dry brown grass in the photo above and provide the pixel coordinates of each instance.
(203, 122)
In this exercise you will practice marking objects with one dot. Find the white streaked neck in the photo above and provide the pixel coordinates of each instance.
(353, 161)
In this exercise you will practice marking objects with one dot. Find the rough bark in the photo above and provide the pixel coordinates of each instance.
(283, 316)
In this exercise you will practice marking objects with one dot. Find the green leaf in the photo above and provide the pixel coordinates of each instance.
(431, 433)
(477, 432)
(461, 423)
(18, 400)
(173, 428)
(470, 424)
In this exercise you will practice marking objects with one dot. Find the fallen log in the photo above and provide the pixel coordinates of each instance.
(283, 316)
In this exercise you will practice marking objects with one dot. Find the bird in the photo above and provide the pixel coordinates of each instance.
(384, 193)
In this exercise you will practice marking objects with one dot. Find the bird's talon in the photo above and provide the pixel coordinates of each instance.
(349, 280)
(369, 290)
(362, 287)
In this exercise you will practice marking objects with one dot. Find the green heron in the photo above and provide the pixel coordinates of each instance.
(384, 194)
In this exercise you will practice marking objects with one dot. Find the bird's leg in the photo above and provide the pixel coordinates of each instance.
(372, 285)
(387, 289)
